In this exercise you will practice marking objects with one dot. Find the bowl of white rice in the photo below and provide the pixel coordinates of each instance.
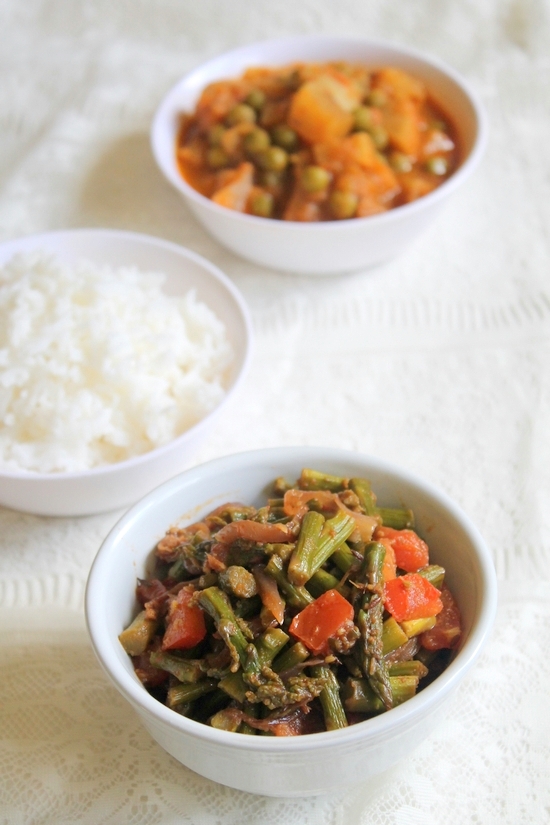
(118, 351)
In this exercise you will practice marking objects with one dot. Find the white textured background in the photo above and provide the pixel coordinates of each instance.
(439, 361)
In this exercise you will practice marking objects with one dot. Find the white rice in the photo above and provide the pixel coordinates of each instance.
(98, 365)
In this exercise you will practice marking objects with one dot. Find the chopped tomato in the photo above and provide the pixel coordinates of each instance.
(186, 626)
(447, 629)
(411, 553)
(411, 597)
(321, 620)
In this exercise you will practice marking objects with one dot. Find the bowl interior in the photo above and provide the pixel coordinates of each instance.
(126, 554)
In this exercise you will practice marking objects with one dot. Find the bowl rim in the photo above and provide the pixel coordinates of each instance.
(11, 247)
(172, 175)
(372, 729)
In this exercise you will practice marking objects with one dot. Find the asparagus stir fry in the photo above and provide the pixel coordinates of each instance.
(313, 612)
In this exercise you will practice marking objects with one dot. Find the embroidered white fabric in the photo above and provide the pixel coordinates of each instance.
(439, 361)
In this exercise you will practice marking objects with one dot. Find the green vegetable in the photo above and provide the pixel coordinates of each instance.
(273, 159)
(369, 621)
(138, 635)
(285, 137)
(343, 204)
(315, 178)
(241, 113)
(262, 205)
(333, 710)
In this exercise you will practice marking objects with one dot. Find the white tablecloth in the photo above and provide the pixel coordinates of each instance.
(438, 361)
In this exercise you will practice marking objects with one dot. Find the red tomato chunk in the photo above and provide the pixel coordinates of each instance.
(186, 626)
(411, 597)
(447, 629)
(411, 553)
(321, 620)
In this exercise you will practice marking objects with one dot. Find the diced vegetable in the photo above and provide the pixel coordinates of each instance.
(186, 626)
(288, 618)
(447, 629)
(321, 620)
(411, 553)
(411, 597)
(316, 142)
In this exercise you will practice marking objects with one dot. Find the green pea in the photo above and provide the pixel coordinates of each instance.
(256, 141)
(378, 98)
(363, 120)
(262, 205)
(343, 204)
(215, 134)
(217, 158)
(272, 180)
(256, 98)
(285, 137)
(400, 162)
(437, 165)
(241, 113)
(315, 178)
(379, 136)
(273, 159)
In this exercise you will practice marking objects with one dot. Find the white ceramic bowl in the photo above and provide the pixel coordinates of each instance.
(335, 246)
(117, 485)
(315, 763)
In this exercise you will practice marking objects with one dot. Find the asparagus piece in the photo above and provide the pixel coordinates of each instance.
(135, 639)
(434, 573)
(314, 480)
(217, 604)
(185, 670)
(359, 697)
(393, 636)
(317, 546)
(300, 564)
(411, 668)
(369, 621)
(267, 646)
(343, 558)
(333, 710)
(296, 595)
(322, 580)
(238, 581)
(415, 627)
(227, 719)
(287, 660)
(397, 518)
(363, 490)
(184, 694)
(334, 533)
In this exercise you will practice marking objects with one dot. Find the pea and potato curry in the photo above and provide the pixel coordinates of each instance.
(316, 142)
(313, 612)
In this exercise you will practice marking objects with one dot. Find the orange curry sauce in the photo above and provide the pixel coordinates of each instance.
(316, 142)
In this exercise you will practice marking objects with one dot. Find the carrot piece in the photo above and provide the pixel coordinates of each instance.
(411, 597)
(411, 553)
(186, 626)
(321, 620)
